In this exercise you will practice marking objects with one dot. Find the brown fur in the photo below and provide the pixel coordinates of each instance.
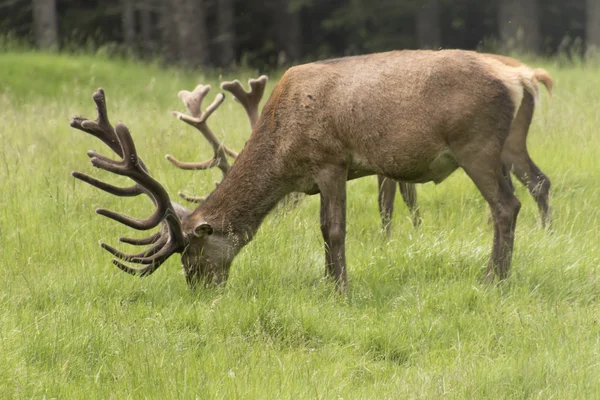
(413, 116)
(514, 156)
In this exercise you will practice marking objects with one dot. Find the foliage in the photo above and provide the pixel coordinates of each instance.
(417, 322)
(329, 27)
(375, 25)
(570, 17)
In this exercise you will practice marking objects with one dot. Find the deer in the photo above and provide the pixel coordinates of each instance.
(414, 116)
(515, 158)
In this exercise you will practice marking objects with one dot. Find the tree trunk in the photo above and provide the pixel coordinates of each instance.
(592, 27)
(519, 24)
(169, 35)
(189, 18)
(226, 32)
(146, 31)
(288, 32)
(428, 25)
(45, 24)
(128, 20)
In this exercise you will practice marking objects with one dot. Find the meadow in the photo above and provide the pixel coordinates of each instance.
(417, 322)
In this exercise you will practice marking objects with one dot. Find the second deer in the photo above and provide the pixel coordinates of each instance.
(515, 159)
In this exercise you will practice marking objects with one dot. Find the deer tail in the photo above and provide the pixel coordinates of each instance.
(543, 76)
(530, 83)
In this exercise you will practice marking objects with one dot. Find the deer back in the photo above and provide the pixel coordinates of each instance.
(392, 113)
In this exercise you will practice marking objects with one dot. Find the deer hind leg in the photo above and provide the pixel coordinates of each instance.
(485, 169)
(516, 158)
(534, 180)
(387, 194)
(409, 195)
(332, 186)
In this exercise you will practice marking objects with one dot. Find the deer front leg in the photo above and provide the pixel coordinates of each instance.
(387, 193)
(332, 186)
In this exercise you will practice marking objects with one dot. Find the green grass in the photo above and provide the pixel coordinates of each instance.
(417, 321)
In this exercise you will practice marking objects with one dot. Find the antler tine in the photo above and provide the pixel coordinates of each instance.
(144, 257)
(192, 199)
(147, 270)
(130, 167)
(141, 241)
(193, 101)
(101, 126)
(117, 191)
(102, 129)
(249, 100)
(153, 259)
(158, 245)
(170, 239)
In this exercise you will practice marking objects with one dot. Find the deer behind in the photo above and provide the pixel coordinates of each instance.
(414, 116)
(515, 157)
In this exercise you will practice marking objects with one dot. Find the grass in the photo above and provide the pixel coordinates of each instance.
(416, 323)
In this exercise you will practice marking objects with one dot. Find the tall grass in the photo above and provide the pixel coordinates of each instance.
(416, 323)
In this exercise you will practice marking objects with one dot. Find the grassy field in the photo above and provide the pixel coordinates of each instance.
(417, 321)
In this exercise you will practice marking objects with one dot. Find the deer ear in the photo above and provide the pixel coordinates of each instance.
(203, 229)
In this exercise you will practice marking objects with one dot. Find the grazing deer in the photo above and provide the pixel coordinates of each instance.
(515, 158)
(413, 116)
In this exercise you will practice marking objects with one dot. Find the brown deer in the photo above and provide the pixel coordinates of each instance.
(413, 116)
(515, 158)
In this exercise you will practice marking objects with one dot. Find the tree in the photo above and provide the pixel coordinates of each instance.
(592, 26)
(288, 30)
(128, 19)
(225, 39)
(190, 20)
(428, 25)
(519, 24)
(45, 24)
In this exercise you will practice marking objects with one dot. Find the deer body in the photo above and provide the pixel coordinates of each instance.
(374, 114)
(413, 116)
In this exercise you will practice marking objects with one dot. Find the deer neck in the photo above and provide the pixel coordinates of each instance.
(251, 189)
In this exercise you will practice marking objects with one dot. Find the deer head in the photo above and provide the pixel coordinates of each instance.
(180, 231)
(206, 255)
